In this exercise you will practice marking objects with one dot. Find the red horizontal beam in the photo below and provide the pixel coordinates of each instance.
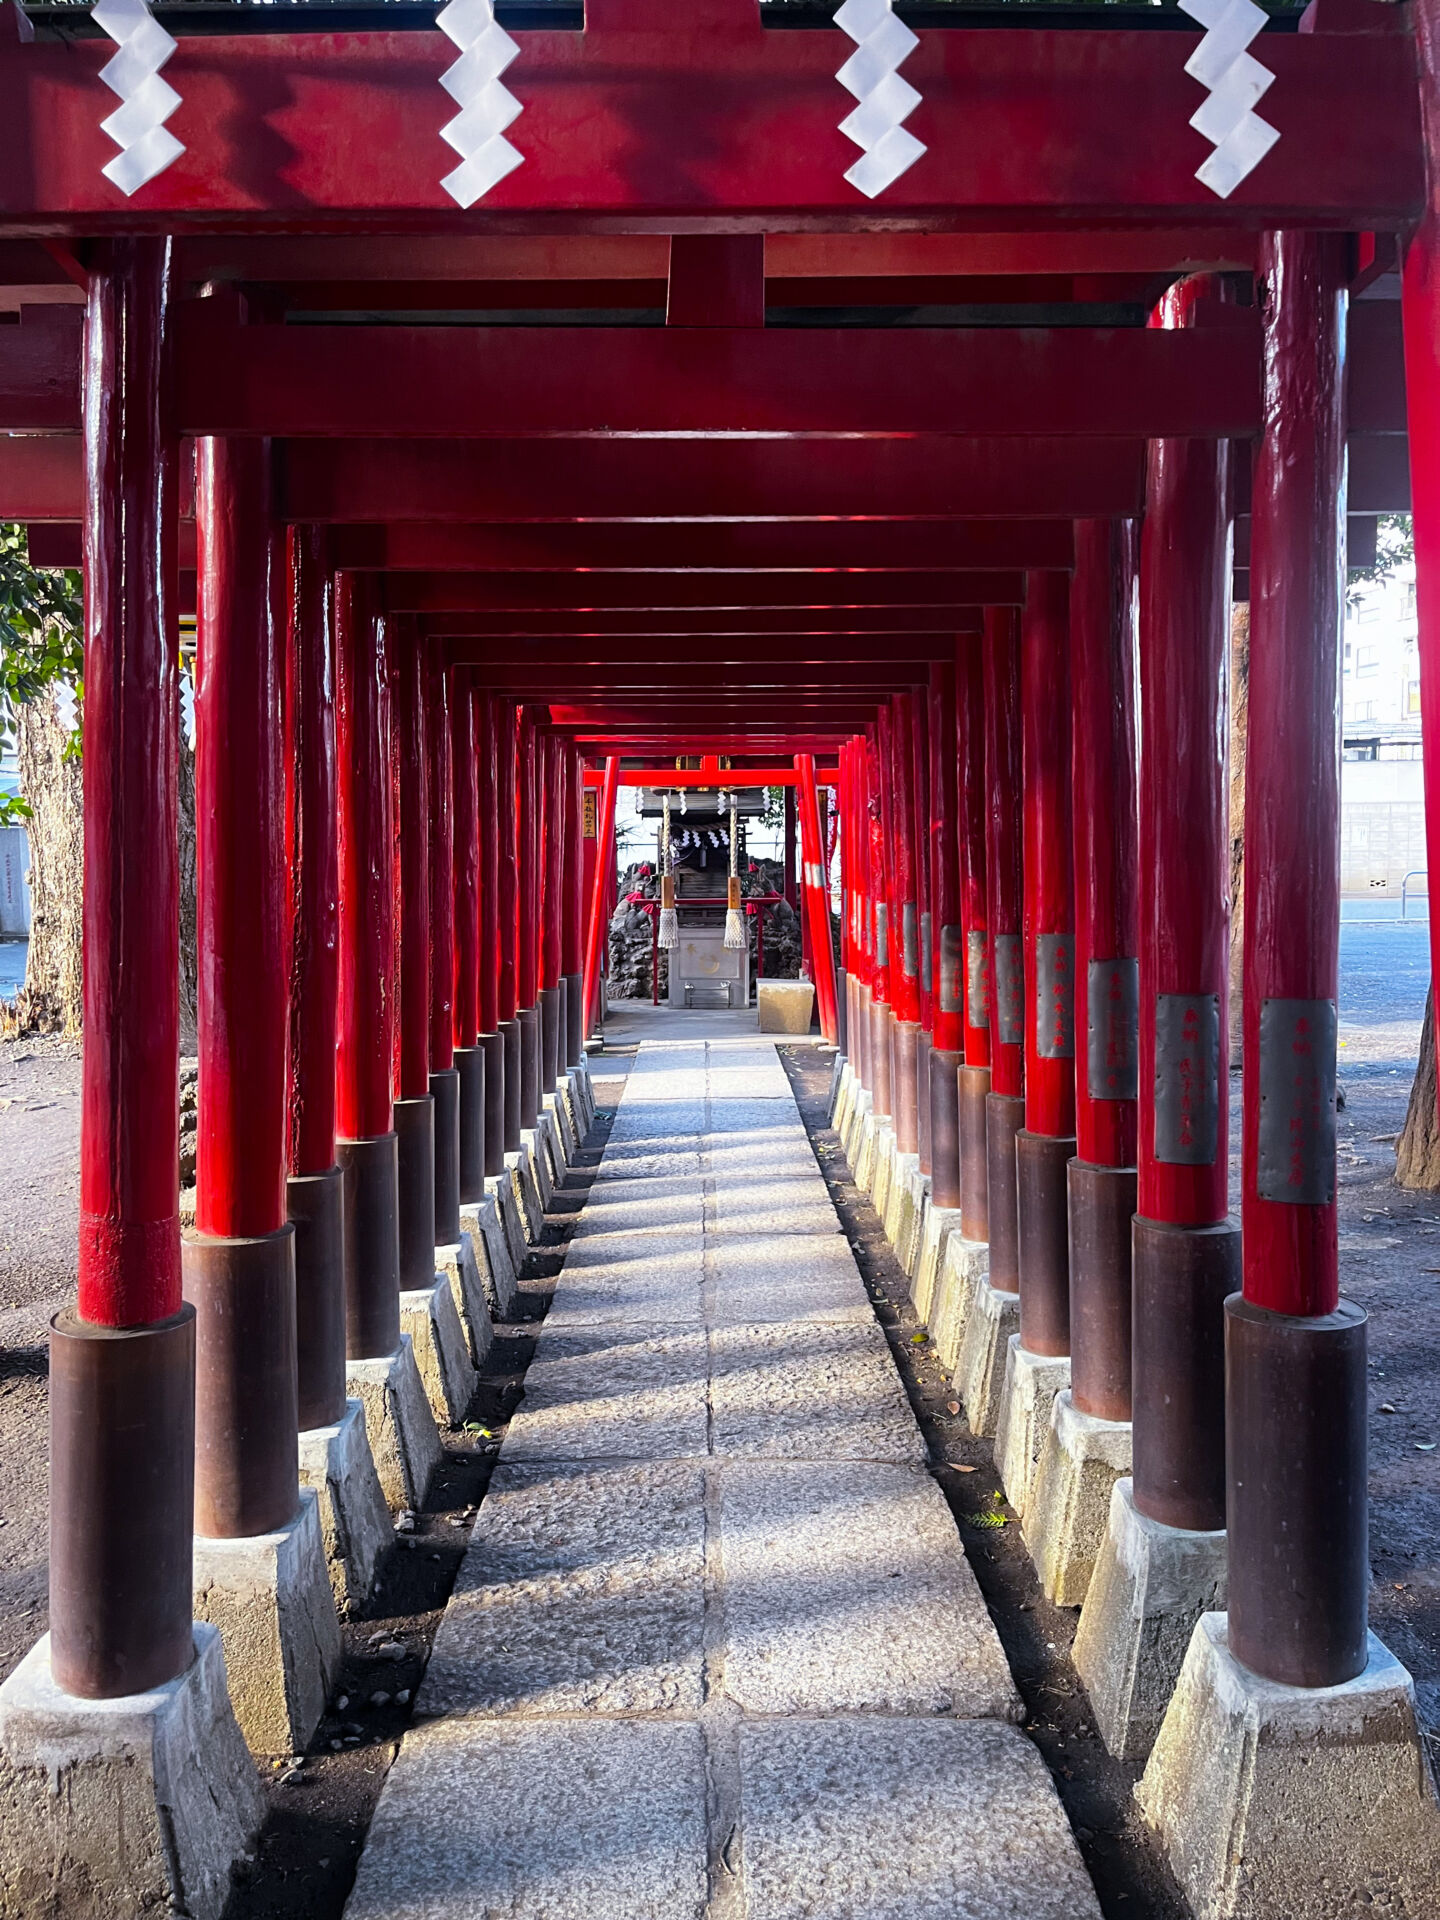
(547, 682)
(698, 116)
(583, 594)
(728, 779)
(441, 381)
(724, 654)
(670, 480)
(628, 624)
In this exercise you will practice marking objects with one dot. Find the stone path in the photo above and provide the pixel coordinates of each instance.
(715, 1650)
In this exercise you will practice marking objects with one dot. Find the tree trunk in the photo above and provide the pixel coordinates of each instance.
(1417, 1151)
(49, 1001)
(1239, 728)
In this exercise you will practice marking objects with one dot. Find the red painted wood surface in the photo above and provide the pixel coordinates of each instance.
(971, 838)
(572, 934)
(884, 862)
(440, 738)
(600, 898)
(365, 1049)
(947, 936)
(468, 957)
(507, 869)
(1004, 827)
(1184, 833)
(586, 593)
(314, 857)
(710, 117)
(551, 879)
(241, 878)
(129, 1255)
(359, 381)
(817, 897)
(412, 757)
(1102, 635)
(527, 845)
(1292, 768)
(1048, 856)
(921, 841)
(904, 904)
(487, 748)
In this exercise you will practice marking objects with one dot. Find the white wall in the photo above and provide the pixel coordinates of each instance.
(1382, 827)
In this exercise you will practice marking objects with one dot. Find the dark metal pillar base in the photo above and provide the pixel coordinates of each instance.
(445, 1092)
(1102, 1207)
(492, 1045)
(473, 1120)
(246, 1417)
(1297, 1514)
(415, 1132)
(1004, 1117)
(549, 1010)
(842, 1010)
(972, 1090)
(574, 984)
(923, 1051)
(562, 1040)
(372, 1245)
(122, 1499)
(945, 1183)
(315, 1205)
(529, 1018)
(1041, 1195)
(1180, 1279)
(510, 1134)
(905, 1092)
(881, 1023)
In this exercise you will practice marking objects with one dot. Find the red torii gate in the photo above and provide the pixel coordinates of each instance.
(490, 526)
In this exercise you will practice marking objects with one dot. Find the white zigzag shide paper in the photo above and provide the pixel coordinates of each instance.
(1236, 81)
(137, 125)
(885, 100)
(477, 133)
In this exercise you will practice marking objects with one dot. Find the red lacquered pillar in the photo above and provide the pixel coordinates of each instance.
(947, 945)
(315, 1189)
(444, 1074)
(1004, 894)
(572, 946)
(1185, 1254)
(844, 984)
(507, 773)
(1295, 1351)
(239, 1265)
(973, 1078)
(122, 1361)
(817, 894)
(365, 1037)
(599, 899)
(904, 928)
(527, 908)
(414, 1108)
(471, 1057)
(882, 1018)
(492, 1038)
(1046, 1143)
(921, 838)
(1107, 981)
(549, 894)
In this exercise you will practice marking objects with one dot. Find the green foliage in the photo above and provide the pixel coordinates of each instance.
(1394, 545)
(40, 635)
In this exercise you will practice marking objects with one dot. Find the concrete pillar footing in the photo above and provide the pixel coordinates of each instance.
(882, 1167)
(963, 1271)
(915, 1209)
(1022, 1422)
(1065, 1523)
(460, 1263)
(498, 1273)
(853, 1136)
(502, 1195)
(430, 1317)
(148, 1803)
(940, 1223)
(557, 1106)
(894, 1213)
(984, 1348)
(525, 1180)
(1311, 1802)
(1150, 1585)
(336, 1463)
(269, 1595)
(403, 1437)
(840, 1094)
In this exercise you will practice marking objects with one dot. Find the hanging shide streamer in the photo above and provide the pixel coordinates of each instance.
(137, 126)
(669, 924)
(734, 920)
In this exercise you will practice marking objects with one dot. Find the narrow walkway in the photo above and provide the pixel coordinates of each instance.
(715, 1649)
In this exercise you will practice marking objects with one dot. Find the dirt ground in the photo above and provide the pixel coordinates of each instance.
(319, 1810)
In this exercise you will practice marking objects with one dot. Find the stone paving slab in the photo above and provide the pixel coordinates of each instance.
(849, 1592)
(812, 1392)
(792, 1201)
(904, 1820)
(580, 1592)
(632, 1394)
(544, 1820)
(787, 1277)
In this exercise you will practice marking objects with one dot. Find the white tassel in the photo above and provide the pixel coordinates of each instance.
(669, 928)
(734, 928)
(735, 935)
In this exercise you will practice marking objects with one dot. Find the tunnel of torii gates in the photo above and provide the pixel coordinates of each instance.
(625, 459)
